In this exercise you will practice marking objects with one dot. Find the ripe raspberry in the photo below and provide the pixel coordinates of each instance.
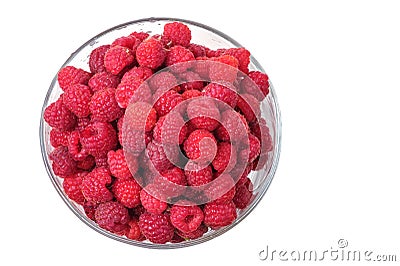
(217, 214)
(71, 75)
(126, 41)
(196, 175)
(101, 161)
(161, 156)
(135, 73)
(175, 175)
(167, 182)
(150, 53)
(141, 36)
(134, 141)
(118, 165)
(76, 98)
(87, 164)
(82, 122)
(177, 33)
(112, 216)
(256, 84)
(199, 232)
(186, 218)
(140, 116)
(243, 196)
(233, 127)
(181, 57)
(59, 138)
(249, 106)
(177, 238)
(102, 81)
(203, 113)
(90, 209)
(192, 81)
(189, 94)
(134, 232)
(98, 138)
(201, 67)
(225, 159)
(134, 91)
(173, 131)
(57, 115)
(156, 227)
(104, 107)
(63, 165)
(94, 186)
(96, 59)
(200, 146)
(150, 203)
(221, 190)
(163, 80)
(73, 187)
(215, 53)
(117, 58)
(223, 68)
(127, 192)
(165, 101)
(197, 49)
(254, 149)
(242, 55)
(260, 129)
(222, 93)
(75, 147)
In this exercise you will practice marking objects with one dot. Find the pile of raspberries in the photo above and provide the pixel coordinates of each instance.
(157, 140)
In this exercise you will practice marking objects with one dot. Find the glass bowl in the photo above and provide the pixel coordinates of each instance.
(201, 34)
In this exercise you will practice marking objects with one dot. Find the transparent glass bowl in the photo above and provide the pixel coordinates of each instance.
(201, 34)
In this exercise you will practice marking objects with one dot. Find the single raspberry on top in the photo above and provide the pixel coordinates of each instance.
(117, 58)
(179, 59)
(112, 216)
(156, 227)
(177, 33)
(71, 75)
(150, 53)
(96, 59)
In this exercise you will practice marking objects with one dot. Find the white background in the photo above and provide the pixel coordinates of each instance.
(335, 66)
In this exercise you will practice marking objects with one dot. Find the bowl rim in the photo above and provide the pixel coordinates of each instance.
(270, 174)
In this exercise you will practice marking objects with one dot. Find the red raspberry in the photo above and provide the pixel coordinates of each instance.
(98, 138)
(150, 203)
(134, 232)
(101, 161)
(256, 84)
(250, 153)
(163, 80)
(140, 116)
(189, 94)
(141, 73)
(75, 147)
(200, 146)
(71, 75)
(177, 33)
(117, 58)
(161, 156)
(221, 190)
(217, 214)
(168, 180)
(186, 218)
(112, 216)
(193, 81)
(141, 36)
(73, 187)
(103, 80)
(126, 41)
(196, 175)
(201, 67)
(181, 56)
(134, 91)
(173, 131)
(165, 101)
(134, 141)
(242, 55)
(94, 186)
(199, 232)
(260, 129)
(82, 122)
(57, 115)
(225, 159)
(215, 53)
(96, 59)
(249, 106)
(59, 138)
(222, 93)
(233, 127)
(175, 175)
(127, 192)
(197, 49)
(203, 113)
(150, 53)
(87, 164)
(156, 227)
(223, 68)
(104, 107)
(76, 98)
(119, 166)
(243, 196)
(177, 238)
(63, 165)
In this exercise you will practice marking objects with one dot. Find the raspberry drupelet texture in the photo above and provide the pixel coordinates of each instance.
(103, 80)
(58, 116)
(165, 101)
(198, 175)
(112, 216)
(186, 218)
(203, 113)
(117, 58)
(200, 146)
(104, 107)
(73, 187)
(163, 80)
(225, 159)
(133, 231)
(71, 75)
(222, 93)
(233, 127)
(199, 232)
(118, 164)
(94, 186)
(77, 98)
(179, 59)
(217, 215)
(59, 138)
(150, 53)
(161, 156)
(140, 116)
(170, 129)
(96, 59)
(98, 138)
(177, 33)
(75, 147)
(256, 84)
(62, 163)
(150, 203)
(156, 227)
(127, 192)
